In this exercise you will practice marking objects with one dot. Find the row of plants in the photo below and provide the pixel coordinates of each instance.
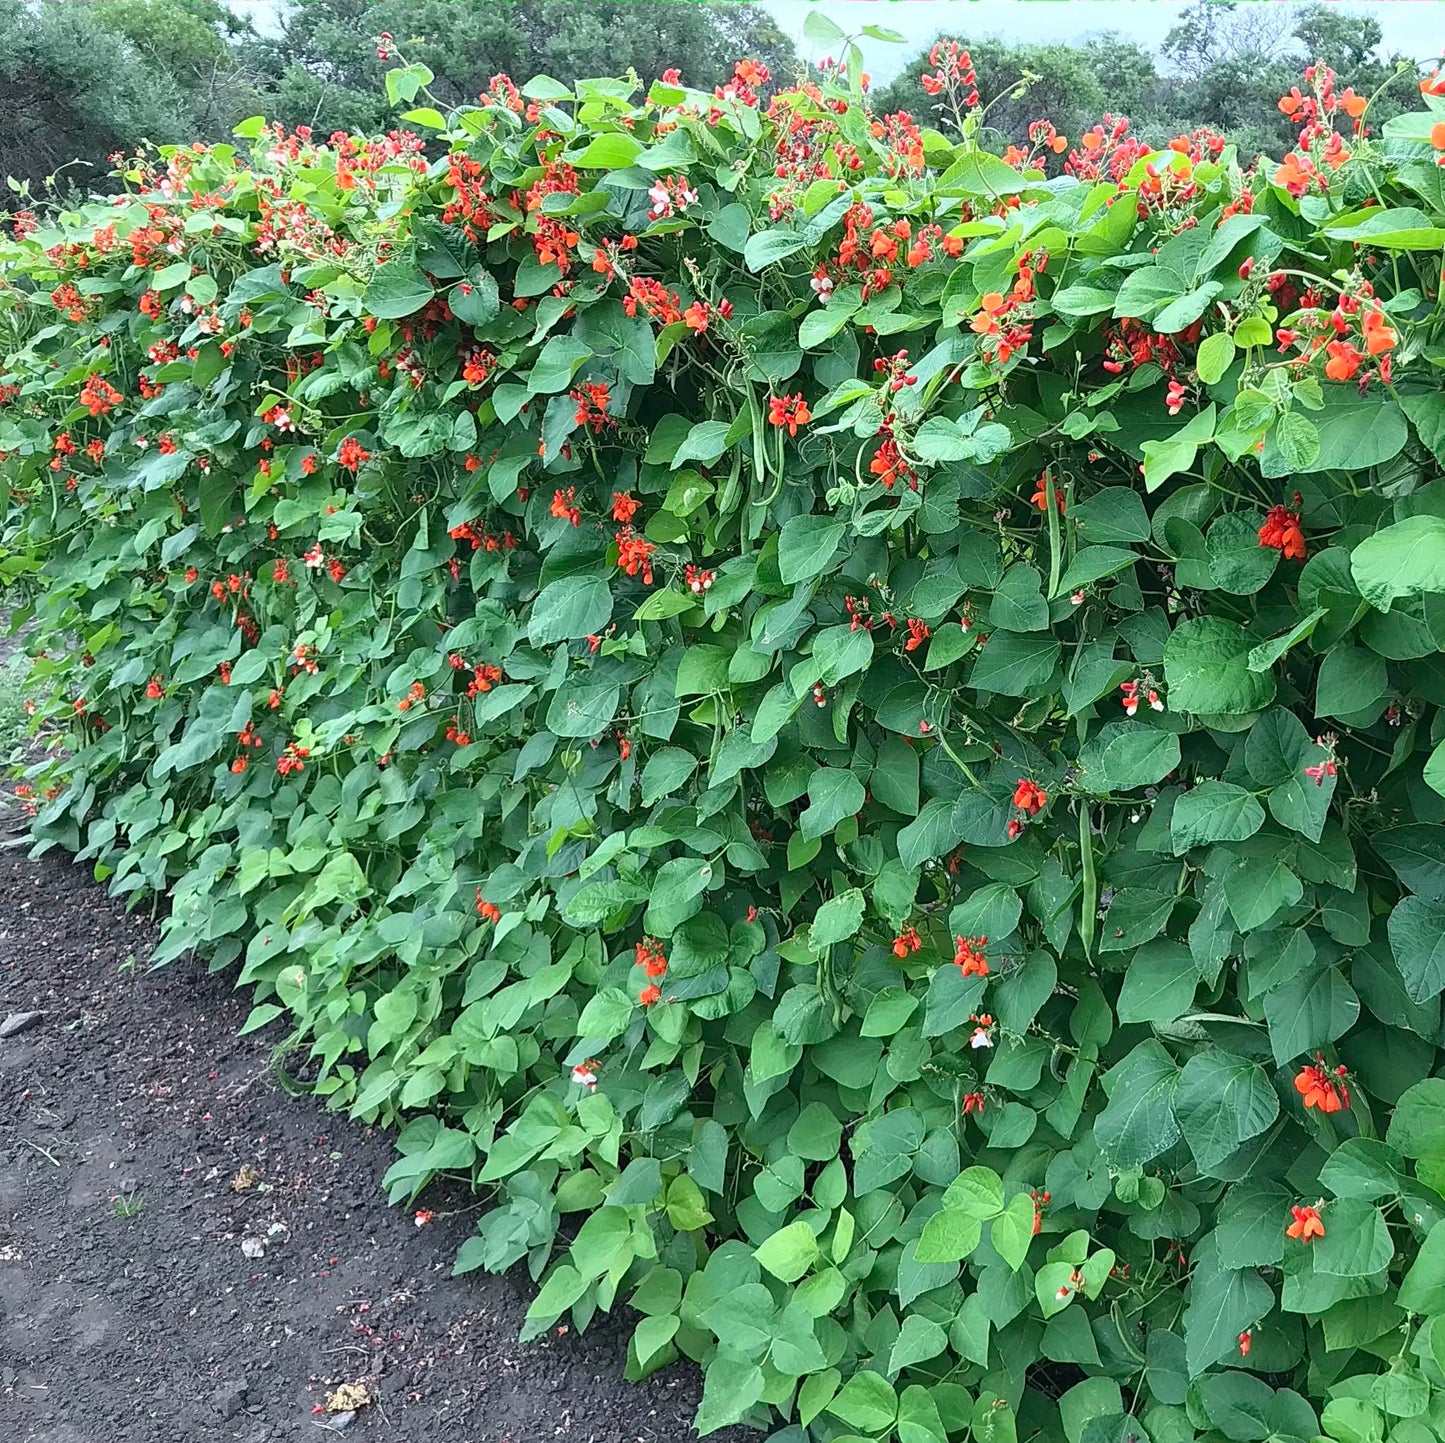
(852, 730)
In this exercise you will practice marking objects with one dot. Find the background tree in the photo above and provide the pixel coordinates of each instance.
(325, 72)
(1222, 65)
(73, 90)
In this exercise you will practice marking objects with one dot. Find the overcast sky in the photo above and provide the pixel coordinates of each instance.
(1412, 27)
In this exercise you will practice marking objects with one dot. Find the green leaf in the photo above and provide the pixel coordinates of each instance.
(1163, 459)
(1416, 855)
(612, 150)
(1356, 1243)
(1417, 938)
(1012, 664)
(1206, 665)
(833, 795)
(883, 1149)
(1417, 1127)
(837, 919)
(561, 358)
(1406, 559)
(1214, 358)
(806, 546)
(568, 609)
(948, 1237)
(1423, 1287)
(1139, 1122)
(397, 289)
(918, 1340)
(1357, 432)
(867, 1400)
(1222, 1102)
(606, 1015)
(1222, 1304)
(1012, 1231)
(1159, 985)
(1128, 754)
(789, 1252)
(1307, 1011)
(1213, 812)
(1393, 228)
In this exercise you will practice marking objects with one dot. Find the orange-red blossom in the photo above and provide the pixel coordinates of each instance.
(1306, 1225)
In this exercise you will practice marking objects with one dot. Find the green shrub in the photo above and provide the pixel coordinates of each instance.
(868, 761)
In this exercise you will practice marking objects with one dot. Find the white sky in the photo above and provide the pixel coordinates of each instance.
(1412, 27)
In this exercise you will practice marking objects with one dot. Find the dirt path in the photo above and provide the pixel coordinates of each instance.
(130, 1311)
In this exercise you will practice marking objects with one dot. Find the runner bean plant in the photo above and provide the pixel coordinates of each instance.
(849, 726)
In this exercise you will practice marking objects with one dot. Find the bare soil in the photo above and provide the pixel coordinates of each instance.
(142, 1143)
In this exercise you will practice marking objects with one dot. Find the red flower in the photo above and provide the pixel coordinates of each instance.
(789, 411)
(1030, 798)
(650, 994)
(906, 941)
(1245, 1339)
(972, 1102)
(1319, 1089)
(351, 454)
(155, 689)
(634, 555)
(650, 957)
(1040, 498)
(562, 507)
(624, 506)
(918, 633)
(487, 911)
(1306, 1225)
(1281, 530)
(968, 956)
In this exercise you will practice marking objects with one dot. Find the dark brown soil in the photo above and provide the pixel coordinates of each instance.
(134, 1095)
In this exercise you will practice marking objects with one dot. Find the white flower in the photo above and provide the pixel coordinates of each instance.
(314, 558)
(980, 1038)
(661, 201)
(583, 1076)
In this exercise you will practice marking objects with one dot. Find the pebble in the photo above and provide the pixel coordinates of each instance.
(17, 1022)
(339, 1422)
(253, 1247)
(229, 1397)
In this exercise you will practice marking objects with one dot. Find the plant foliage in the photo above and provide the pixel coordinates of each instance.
(853, 730)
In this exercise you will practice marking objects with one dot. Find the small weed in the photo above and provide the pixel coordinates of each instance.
(14, 724)
(128, 1204)
(129, 968)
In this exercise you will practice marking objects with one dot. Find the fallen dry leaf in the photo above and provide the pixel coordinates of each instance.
(246, 1179)
(347, 1398)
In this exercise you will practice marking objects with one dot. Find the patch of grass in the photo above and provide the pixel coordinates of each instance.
(128, 1204)
(13, 721)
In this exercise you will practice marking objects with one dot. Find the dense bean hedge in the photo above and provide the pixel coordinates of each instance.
(850, 724)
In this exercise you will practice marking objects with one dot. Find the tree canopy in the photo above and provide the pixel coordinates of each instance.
(80, 79)
(1222, 65)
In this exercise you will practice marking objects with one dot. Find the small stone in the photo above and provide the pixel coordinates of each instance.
(229, 1397)
(18, 1022)
(253, 1247)
(340, 1422)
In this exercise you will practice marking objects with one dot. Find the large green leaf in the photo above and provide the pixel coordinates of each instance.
(1139, 1122)
(1222, 1102)
(1206, 664)
(1406, 559)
